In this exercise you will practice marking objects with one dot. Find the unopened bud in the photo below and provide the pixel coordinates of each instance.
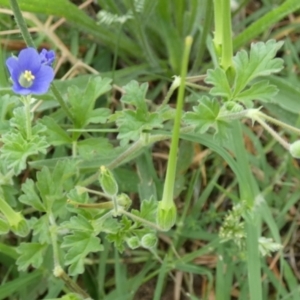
(295, 149)
(166, 217)
(149, 241)
(133, 242)
(124, 201)
(108, 182)
(233, 107)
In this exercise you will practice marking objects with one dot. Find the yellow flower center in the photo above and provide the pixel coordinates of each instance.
(28, 76)
(26, 79)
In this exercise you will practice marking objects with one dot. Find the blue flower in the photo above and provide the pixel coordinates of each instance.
(47, 57)
(31, 72)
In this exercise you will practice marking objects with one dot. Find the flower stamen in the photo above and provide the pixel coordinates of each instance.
(28, 75)
(26, 79)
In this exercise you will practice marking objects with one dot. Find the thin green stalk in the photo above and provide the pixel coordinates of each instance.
(26, 101)
(72, 285)
(115, 204)
(134, 148)
(136, 218)
(197, 86)
(284, 144)
(21, 23)
(278, 122)
(58, 270)
(227, 51)
(53, 231)
(102, 205)
(74, 149)
(218, 4)
(131, 151)
(81, 189)
(167, 199)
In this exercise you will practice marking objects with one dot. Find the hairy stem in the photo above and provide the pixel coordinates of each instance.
(26, 101)
(58, 270)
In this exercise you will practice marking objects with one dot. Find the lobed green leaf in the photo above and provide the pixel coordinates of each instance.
(80, 244)
(261, 61)
(30, 254)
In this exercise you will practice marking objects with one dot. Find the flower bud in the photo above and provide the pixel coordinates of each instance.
(21, 227)
(233, 107)
(295, 149)
(166, 217)
(133, 242)
(4, 227)
(124, 201)
(108, 182)
(149, 241)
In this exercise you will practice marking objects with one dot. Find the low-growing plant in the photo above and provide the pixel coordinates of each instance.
(63, 190)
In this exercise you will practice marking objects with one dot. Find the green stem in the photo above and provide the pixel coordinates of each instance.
(21, 23)
(197, 86)
(12, 217)
(53, 231)
(134, 148)
(167, 200)
(227, 51)
(26, 101)
(115, 204)
(72, 285)
(74, 149)
(278, 122)
(81, 189)
(218, 13)
(284, 144)
(58, 270)
(136, 218)
(103, 205)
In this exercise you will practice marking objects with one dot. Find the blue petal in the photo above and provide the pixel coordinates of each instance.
(42, 80)
(20, 90)
(14, 69)
(12, 64)
(30, 60)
